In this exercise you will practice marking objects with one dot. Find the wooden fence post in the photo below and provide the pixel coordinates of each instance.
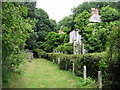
(84, 72)
(73, 67)
(99, 79)
(58, 60)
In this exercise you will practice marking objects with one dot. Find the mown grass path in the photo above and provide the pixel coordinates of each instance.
(41, 73)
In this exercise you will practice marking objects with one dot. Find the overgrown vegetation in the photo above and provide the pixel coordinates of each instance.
(95, 34)
(112, 58)
(66, 61)
(15, 32)
(42, 27)
(27, 27)
(53, 40)
(66, 48)
(39, 53)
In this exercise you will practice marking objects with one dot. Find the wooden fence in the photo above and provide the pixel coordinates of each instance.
(85, 73)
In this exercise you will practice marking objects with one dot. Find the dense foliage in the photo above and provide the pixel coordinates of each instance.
(66, 48)
(113, 58)
(95, 38)
(66, 24)
(66, 62)
(25, 26)
(80, 23)
(43, 26)
(95, 34)
(39, 53)
(109, 14)
(53, 40)
(15, 32)
(88, 5)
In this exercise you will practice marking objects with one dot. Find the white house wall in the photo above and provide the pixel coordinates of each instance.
(72, 36)
(75, 35)
(78, 37)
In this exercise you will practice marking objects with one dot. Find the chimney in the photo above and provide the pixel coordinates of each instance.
(95, 15)
(95, 11)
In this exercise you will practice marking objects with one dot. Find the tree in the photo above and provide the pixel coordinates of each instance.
(53, 40)
(81, 21)
(88, 5)
(95, 34)
(15, 32)
(53, 25)
(43, 26)
(31, 10)
(95, 37)
(113, 57)
(66, 24)
(109, 14)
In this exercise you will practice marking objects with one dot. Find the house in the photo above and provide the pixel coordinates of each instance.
(74, 34)
(77, 39)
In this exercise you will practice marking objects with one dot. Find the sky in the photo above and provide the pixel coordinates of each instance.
(58, 9)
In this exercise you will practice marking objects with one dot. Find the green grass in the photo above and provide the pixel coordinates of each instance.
(41, 73)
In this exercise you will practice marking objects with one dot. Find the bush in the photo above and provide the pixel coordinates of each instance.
(90, 60)
(66, 48)
(13, 65)
(68, 44)
(16, 31)
(53, 40)
(112, 73)
(40, 53)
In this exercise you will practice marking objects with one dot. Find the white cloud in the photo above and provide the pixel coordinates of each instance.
(57, 9)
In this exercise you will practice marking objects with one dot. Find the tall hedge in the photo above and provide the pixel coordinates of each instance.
(113, 58)
(66, 61)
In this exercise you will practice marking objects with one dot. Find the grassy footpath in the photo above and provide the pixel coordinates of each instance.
(41, 73)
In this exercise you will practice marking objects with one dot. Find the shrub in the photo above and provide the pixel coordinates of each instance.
(66, 48)
(53, 40)
(68, 44)
(16, 31)
(40, 53)
(13, 65)
(113, 58)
